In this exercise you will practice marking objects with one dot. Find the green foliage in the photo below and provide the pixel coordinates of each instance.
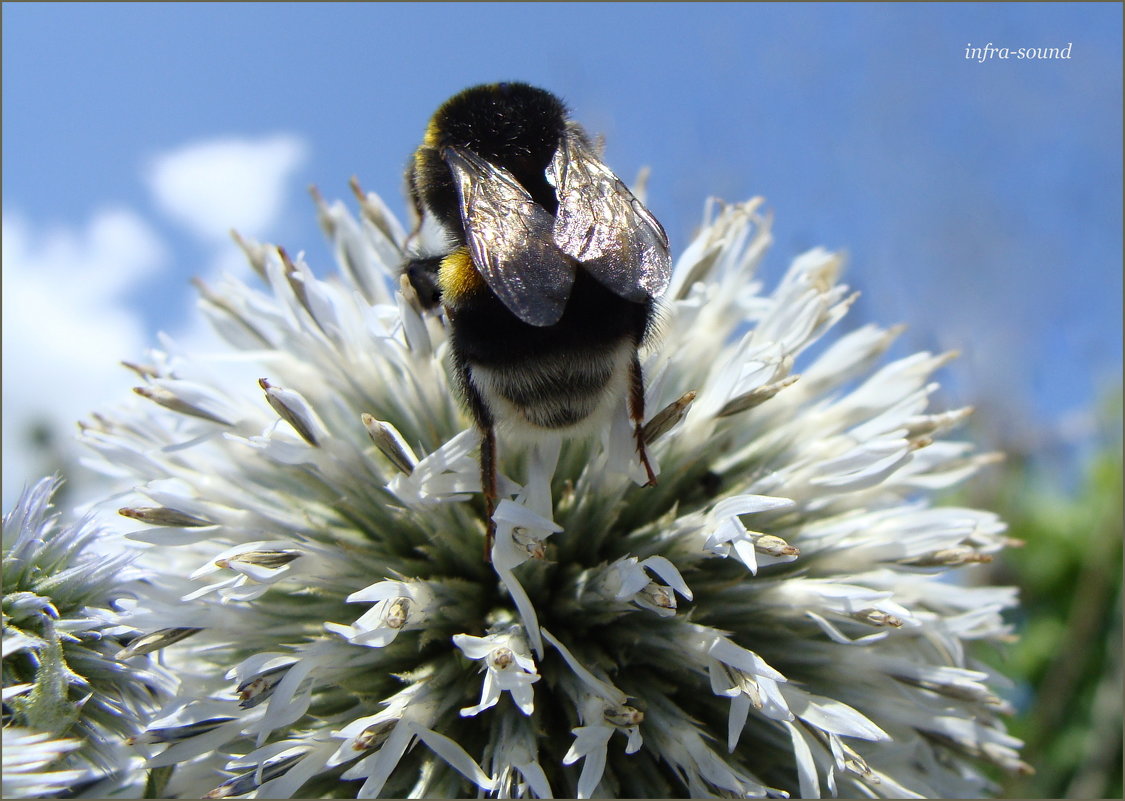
(1067, 663)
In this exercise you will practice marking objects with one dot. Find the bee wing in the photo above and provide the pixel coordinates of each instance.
(510, 239)
(602, 225)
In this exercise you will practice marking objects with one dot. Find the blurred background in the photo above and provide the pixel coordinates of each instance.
(979, 200)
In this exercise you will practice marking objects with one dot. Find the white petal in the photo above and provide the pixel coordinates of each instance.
(807, 777)
(474, 647)
(520, 598)
(456, 756)
(516, 514)
(590, 743)
(586, 740)
(831, 715)
(667, 571)
(736, 720)
(489, 695)
(774, 705)
(523, 695)
(635, 741)
(726, 651)
(632, 577)
(747, 553)
(749, 504)
(600, 688)
(536, 779)
(838, 636)
(386, 759)
(380, 591)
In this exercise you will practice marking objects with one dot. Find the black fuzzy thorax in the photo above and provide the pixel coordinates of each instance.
(512, 125)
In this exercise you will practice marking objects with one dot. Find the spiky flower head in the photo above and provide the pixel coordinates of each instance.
(774, 617)
(69, 702)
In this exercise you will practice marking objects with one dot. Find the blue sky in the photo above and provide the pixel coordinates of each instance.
(980, 202)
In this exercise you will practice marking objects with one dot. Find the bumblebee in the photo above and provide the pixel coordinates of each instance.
(550, 278)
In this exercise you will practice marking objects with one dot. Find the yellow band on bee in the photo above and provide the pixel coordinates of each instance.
(457, 276)
(433, 134)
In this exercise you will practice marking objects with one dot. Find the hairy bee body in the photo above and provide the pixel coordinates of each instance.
(546, 377)
(553, 267)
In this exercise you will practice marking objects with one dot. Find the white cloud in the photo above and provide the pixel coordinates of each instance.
(69, 317)
(211, 187)
(66, 326)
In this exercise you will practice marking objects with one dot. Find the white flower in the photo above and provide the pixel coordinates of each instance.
(256, 565)
(398, 606)
(745, 677)
(509, 668)
(390, 734)
(592, 740)
(774, 617)
(628, 579)
(521, 535)
(521, 774)
(753, 548)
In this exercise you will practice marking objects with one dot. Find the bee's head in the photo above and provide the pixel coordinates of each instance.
(513, 125)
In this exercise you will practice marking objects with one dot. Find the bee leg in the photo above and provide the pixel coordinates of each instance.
(423, 276)
(637, 415)
(483, 418)
(488, 486)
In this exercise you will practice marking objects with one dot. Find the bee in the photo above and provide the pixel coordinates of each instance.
(551, 274)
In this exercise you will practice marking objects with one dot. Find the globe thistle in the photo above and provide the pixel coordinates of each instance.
(69, 703)
(774, 617)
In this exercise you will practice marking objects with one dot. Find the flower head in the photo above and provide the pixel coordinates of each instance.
(69, 700)
(773, 617)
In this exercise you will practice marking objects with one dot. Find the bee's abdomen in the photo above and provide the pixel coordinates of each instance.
(551, 377)
(557, 392)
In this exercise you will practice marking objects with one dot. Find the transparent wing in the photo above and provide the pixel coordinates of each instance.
(510, 239)
(602, 225)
